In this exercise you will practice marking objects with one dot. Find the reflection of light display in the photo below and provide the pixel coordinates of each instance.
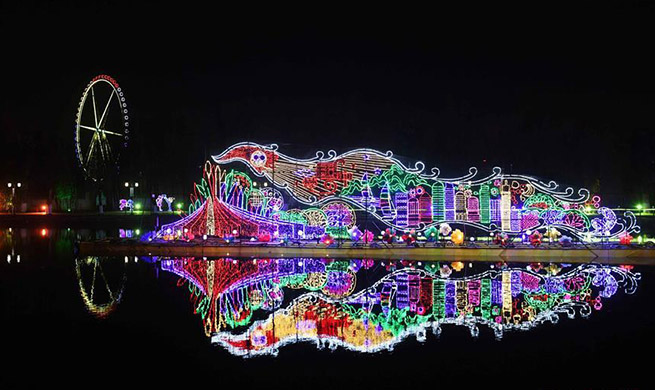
(392, 194)
(100, 292)
(408, 301)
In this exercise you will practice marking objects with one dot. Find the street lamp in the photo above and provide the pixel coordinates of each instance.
(13, 195)
(132, 187)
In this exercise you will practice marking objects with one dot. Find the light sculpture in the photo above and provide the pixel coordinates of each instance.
(331, 192)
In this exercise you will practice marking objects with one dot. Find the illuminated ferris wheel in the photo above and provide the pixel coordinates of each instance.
(101, 130)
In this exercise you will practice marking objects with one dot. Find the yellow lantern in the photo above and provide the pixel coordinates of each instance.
(457, 237)
(457, 265)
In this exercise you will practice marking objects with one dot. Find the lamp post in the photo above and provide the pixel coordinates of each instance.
(13, 195)
(132, 186)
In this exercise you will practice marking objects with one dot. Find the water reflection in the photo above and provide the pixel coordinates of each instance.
(101, 282)
(253, 307)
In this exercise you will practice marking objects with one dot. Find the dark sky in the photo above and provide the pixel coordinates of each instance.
(563, 94)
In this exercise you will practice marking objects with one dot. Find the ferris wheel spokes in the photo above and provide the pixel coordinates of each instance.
(106, 134)
(100, 134)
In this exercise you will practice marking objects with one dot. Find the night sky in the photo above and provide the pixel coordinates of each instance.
(561, 94)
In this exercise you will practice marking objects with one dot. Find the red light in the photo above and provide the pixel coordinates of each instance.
(44, 232)
(43, 207)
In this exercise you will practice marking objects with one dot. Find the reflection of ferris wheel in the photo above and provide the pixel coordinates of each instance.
(101, 127)
(101, 285)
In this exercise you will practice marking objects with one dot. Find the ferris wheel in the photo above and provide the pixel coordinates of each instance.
(101, 281)
(101, 127)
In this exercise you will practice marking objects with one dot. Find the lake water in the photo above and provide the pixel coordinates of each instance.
(129, 321)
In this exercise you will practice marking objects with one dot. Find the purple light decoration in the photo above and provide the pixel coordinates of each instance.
(401, 209)
(449, 201)
(402, 293)
(412, 210)
(554, 286)
(603, 278)
(339, 282)
(529, 220)
(496, 292)
(515, 220)
(450, 299)
(474, 292)
(529, 282)
(414, 292)
(473, 209)
(494, 205)
(516, 283)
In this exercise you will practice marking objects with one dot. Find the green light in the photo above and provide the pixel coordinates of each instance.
(639, 207)
(137, 231)
(179, 206)
(137, 206)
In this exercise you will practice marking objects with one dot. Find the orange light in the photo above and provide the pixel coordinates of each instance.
(43, 207)
(44, 232)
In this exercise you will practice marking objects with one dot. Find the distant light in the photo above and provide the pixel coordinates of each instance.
(137, 231)
(44, 232)
(265, 184)
(126, 259)
(137, 206)
(179, 206)
(234, 231)
(186, 230)
(43, 207)
(639, 206)
(127, 184)
(204, 236)
(9, 185)
(136, 184)
(254, 184)
(18, 258)
(18, 185)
